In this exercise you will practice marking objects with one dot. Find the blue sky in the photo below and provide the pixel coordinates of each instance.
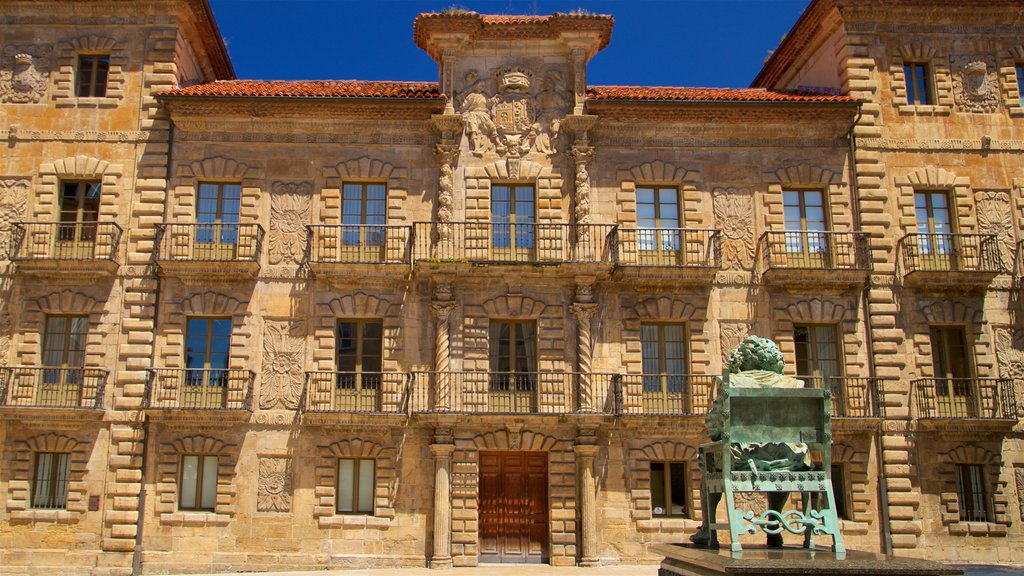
(713, 43)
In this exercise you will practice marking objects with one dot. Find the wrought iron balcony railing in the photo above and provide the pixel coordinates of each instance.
(815, 250)
(355, 392)
(46, 387)
(359, 244)
(669, 247)
(851, 397)
(510, 392)
(214, 242)
(977, 253)
(664, 394)
(513, 243)
(955, 398)
(84, 241)
(199, 389)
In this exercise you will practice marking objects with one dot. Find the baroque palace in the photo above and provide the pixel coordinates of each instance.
(254, 324)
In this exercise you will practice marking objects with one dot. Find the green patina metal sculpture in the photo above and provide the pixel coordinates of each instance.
(771, 435)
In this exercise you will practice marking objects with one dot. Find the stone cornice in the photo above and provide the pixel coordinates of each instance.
(340, 108)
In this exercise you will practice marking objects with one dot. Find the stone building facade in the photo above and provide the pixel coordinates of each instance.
(259, 325)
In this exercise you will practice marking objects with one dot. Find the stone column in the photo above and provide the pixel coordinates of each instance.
(442, 354)
(584, 312)
(588, 506)
(447, 155)
(441, 557)
(581, 156)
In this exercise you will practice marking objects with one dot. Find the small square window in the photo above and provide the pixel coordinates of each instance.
(197, 482)
(50, 480)
(668, 489)
(971, 494)
(355, 485)
(92, 75)
(920, 89)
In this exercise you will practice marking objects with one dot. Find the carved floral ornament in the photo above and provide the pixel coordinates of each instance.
(282, 365)
(14, 193)
(24, 74)
(290, 209)
(274, 492)
(975, 83)
(734, 215)
(515, 117)
(995, 217)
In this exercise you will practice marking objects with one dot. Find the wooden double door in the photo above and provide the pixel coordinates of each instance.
(514, 507)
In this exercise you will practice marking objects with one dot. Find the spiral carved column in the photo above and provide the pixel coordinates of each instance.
(584, 312)
(442, 354)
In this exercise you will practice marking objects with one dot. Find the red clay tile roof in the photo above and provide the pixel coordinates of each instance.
(680, 94)
(311, 89)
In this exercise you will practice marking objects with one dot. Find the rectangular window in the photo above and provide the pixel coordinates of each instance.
(668, 489)
(197, 482)
(971, 494)
(920, 91)
(217, 208)
(935, 240)
(358, 360)
(1020, 81)
(664, 361)
(363, 214)
(817, 352)
(207, 351)
(79, 212)
(513, 217)
(50, 480)
(805, 214)
(839, 490)
(657, 220)
(951, 364)
(63, 358)
(513, 363)
(92, 75)
(355, 485)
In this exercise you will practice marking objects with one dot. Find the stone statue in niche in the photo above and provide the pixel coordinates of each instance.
(975, 83)
(514, 121)
(26, 74)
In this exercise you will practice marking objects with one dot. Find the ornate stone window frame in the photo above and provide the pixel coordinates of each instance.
(1009, 61)
(385, 485)
(363, 170)
(171, 339)
(549, 198)
(62, 302)
(217, 169)
(168, 476)
(935, 179)
(641, 495)
(999, 498)
(667, 309)
(953, 312)
(81, 167)
(942, 78)
(551, 330)
(790, 311)
(21, 466)
(68, 51)
(661, 173)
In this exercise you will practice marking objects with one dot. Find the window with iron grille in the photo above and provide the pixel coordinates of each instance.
(356, 479)
(197, 482)
(669, 496)
(971, 494)
(50, 480)
(92, 75)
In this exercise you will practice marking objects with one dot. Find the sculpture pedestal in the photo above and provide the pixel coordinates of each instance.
(689, 560)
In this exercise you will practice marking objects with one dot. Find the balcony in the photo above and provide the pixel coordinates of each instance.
(76, 248)
(496, 243)
(209, 250)
(61, 390)
(218, 392)
(953, 261)
(359, 249)
(987, 403)
(339, 396)
(798, 258)
(542, 393)
(681, 254)
(664, 395)
(852, 398)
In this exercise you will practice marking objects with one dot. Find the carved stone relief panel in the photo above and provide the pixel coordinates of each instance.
(1018, 473)
(975, 82)
(283, 359)
(24, 74)
(5, 338)
(995, 216)
(274, 491)
(731, 334)
(14, 193)
(1009, 352)
(290, 208)
(514, 113)
(734, 215)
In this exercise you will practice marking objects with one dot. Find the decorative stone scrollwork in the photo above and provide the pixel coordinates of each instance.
(581, 156)
(1018, 474)
(290, 208)
(282, 365)
(447, 155)
(14, 194)
(5, 338)
(274, 492)
(734, 214)
(584, 313)
(995, 217)
(25, 74)
(1009, 352)
(731, 334)
(975, 83)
